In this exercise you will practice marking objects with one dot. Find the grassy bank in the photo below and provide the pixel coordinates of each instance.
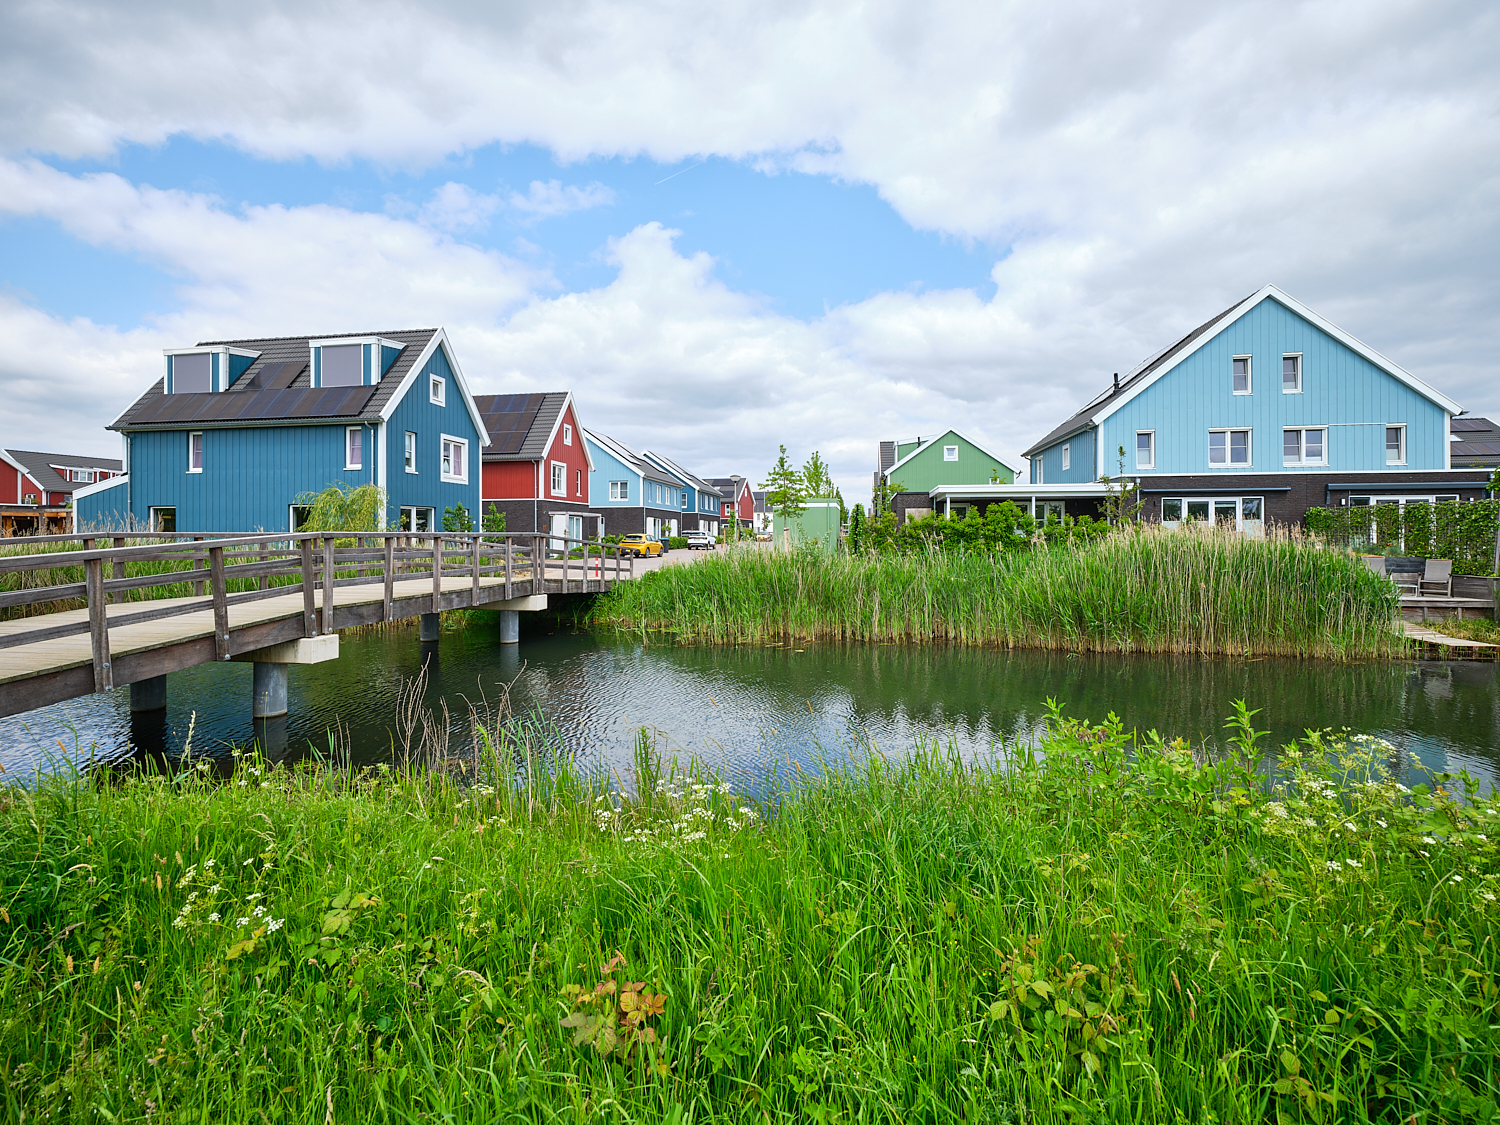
(1109, 932)
(1138, 591)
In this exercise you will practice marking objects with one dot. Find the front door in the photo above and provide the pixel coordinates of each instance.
(559, 521)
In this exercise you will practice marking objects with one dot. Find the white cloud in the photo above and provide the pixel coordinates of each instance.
(1143, 166)
(551, 199)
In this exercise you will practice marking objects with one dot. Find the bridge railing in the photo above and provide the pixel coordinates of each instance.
(177, 574)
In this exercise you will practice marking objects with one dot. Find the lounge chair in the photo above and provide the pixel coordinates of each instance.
(1375, 562)
(1437, 576)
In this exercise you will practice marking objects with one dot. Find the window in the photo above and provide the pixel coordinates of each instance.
(950, 453)
(411, 452)
(192, 374)
(578, 482)
(684, 499)
(1304, 447)
(619, 490)
(559, 479)
(1229, 447)
(567, 434)
(299, 516)
(354, 447)
(455, 464)
(1241, 368)
(1171, 510)
(82, 475)
(1237, 513)
(416, 519)
(1145, 449)
(1067, 457)
(437, 389)
(195, 452)
(164, 519)
(342, 366)
(1041, 471)
(1291, 374)
(1395, 445)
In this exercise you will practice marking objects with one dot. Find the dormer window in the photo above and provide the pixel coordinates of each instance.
(205, 369)
(351, 361)
(437, 390)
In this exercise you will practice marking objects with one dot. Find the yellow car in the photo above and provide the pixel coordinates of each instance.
(639, 544)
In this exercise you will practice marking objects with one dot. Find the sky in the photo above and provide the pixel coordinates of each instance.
(734, 226)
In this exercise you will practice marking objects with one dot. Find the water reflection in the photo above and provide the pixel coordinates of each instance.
(747, 708)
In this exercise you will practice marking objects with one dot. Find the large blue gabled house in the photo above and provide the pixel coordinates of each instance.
(700, 501)
(236, 433)
(628, 492)
(1259, 413)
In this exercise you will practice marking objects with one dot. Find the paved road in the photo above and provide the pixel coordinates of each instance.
(682, 558)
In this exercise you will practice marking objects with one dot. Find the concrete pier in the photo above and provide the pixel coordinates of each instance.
(510, 627)
(429, 627)
(269, 694)
(149, 695)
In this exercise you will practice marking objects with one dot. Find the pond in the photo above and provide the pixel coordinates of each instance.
(743, 709)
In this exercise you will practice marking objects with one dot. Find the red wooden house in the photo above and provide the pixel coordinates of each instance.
(536, 467)
(738, 503)
(36, 489)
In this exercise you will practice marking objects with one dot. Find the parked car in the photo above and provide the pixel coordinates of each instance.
(697, 540)
(639, 544)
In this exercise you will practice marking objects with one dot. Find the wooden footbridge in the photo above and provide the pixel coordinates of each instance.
(102, 612)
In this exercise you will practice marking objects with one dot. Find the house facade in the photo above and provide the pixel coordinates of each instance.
(949, 461)
(699, 499)
(736, 500)
(36, 489)
(630, 494)
(537, 468)
(237, 433)
(1259, 413)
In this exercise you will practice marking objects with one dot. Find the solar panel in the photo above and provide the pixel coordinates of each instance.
(508, 419)
(258, 405)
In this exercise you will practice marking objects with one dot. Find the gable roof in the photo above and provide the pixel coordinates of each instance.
(687, 478)
(39, 467)
(277, 390)
(522, 427)
(1478, 443)
(629, 457)
(731, 487)
(923, 446)
(1153, 367)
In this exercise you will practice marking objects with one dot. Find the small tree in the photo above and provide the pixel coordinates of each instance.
(816, 479)
(1122, 496)
(457, 518)
(493, 521)
(340, 507)
(856, 536)
(880, 500)
(785, 489)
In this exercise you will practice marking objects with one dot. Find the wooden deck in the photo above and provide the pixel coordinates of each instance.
(1450, 646)
(60, 655)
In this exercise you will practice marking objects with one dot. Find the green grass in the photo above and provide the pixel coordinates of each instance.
(1470, 628)
(1108, 931)
(1135, 591)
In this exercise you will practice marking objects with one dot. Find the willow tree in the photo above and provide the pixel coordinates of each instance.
(341, 507)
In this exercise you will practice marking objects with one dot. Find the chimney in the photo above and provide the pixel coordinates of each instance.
(1117, 382)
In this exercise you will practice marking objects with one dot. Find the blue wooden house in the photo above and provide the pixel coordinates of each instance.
(237, 432)
(1261, 412)
(699, 499)
(629, 492)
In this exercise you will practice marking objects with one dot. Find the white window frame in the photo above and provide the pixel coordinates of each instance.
(202, 455)
(950, 453)
(578, 482)
(437, 390)
(1150, 462)
(155, 516)
(1227, 463)
(1249, 374)
(409, 452)
(1383, 440)
(1067, 457)
(559, 475)
(619, 490)
(1297, 390)
(1185, 498)
(567, 434)
(1302, 432)
(349, 434)
(444, 441)
(411, 510)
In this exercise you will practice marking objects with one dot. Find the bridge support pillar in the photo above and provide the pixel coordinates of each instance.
(270, 690)
(149, 695)
(510, 627)
(429, 627)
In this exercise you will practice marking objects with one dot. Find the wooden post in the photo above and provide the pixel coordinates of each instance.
(221, 602)
(104, 678)
(265, 557)
(510, 568)
(538, 564)
(328, 581)
(197, 586)
(309, 606)
(114, 543)
(437, 570)
(390, 576)
(474, 596)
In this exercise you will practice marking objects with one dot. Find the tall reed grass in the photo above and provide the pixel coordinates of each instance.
(1149, 590)
(1112, 929)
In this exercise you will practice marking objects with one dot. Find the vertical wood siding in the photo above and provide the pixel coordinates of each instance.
(417, 413)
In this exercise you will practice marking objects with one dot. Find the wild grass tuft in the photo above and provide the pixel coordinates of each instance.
(1109, 927)
(1148, 590)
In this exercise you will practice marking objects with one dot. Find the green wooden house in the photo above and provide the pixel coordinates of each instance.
(917, 467)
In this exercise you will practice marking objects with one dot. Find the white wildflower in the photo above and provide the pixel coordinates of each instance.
(207, 863)
(1382, 823)
(1329, 794)
(1423, 854)
(259, 910)
(1350, 827)
(256, 895)
(213, 890)
(1487, 896)
(180, 921)
(1352, 862)
(248, 862)
(1334, 866)
(243, 922)
(1458, 878)
(275, 924)
(214, 917)
(1429, 840)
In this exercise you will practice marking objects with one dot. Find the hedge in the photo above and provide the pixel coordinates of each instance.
(1463, 532)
